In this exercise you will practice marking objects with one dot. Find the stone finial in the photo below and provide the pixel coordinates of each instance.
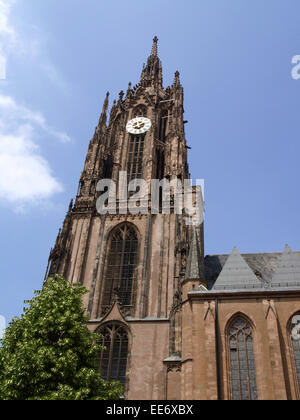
(176, 79)
(121, 96)
(106, 100)
(154, 47)
(129, 90)
(71, 206)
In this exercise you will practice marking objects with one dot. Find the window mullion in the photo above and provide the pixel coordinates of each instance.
(119, 356)
(122, 256)
(247, 361)
(139, 155)
(239, 363)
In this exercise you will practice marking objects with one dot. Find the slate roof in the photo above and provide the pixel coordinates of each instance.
(236, 274)
(263, 265)
(288, 270)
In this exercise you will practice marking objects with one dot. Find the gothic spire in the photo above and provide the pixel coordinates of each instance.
(71, 206)
(152, 71)
(128, 93)
(103, 116)
(121, 96)
(105, 104)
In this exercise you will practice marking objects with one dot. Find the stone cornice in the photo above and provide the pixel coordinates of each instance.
(243, 294)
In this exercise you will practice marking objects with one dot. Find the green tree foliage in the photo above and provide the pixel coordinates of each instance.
(49, 354)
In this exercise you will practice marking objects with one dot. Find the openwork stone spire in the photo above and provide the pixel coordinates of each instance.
(152, 71)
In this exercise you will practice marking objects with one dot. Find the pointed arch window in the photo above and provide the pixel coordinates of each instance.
(113, 359)
(163, 125)
(294, 329)
(120, 265)
(135, 158)
(241, 360)
(136, 148)
(108, 166)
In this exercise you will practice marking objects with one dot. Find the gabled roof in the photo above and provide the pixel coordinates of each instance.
(236, 274)
(287, 273)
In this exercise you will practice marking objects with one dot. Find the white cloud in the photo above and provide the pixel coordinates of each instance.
(25, 176)
(29, 44)
(12, 114)
(5, 27)
(2, 67)
(8, 35)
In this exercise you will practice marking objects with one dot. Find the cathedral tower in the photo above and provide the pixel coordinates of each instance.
(136, 267)
(174, 325)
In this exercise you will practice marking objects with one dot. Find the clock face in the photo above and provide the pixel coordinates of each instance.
(138, 125)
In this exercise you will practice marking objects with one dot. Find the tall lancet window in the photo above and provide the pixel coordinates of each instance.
(120, 265)
(136, 148)
(113, 359)
(163, 125)
(295, 339)
(135, 158)
(160, 151)
(241, 359)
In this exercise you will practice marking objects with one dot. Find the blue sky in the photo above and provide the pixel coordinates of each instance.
(241, 102)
